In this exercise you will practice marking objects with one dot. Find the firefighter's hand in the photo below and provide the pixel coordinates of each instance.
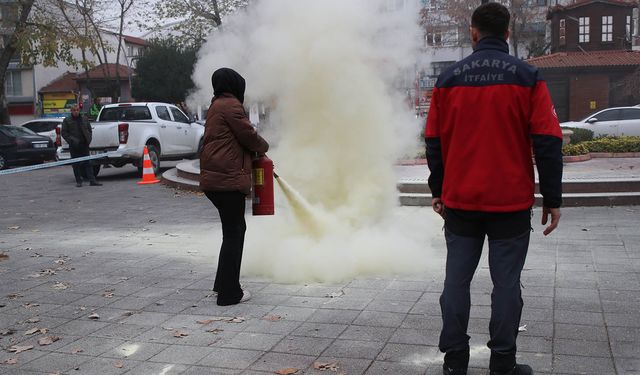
(555, 219)
(438, 206)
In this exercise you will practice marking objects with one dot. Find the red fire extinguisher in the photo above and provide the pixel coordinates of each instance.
(263, 186)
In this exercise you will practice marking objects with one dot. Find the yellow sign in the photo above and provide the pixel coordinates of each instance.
(54, 103)
(57, 104)
(59, 95)
(258, 176)
(593, 104)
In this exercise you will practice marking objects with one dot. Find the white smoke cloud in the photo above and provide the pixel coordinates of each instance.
(328, 70)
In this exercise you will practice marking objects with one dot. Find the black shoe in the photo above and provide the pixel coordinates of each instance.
(446, 370)
(456, 363)
(78, 184)
(517, 370)
(95, 183)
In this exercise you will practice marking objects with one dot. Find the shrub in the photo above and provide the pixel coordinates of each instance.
(606, 144)
(614, 144)
(580, 135)
(573, 150)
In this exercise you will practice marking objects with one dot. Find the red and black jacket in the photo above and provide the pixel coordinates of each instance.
(486, 113)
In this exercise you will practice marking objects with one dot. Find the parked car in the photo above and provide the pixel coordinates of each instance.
(616, 121)
(126, 128)
(20, 145)
(48, 126)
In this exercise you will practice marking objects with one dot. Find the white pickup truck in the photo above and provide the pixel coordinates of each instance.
(125, 128)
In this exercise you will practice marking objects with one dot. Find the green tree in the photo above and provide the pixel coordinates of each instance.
(169, 81)
(34, 40)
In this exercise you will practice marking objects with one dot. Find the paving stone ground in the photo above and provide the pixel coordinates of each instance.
(135, 256)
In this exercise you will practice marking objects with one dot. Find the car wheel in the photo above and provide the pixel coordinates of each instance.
(154, 156)
(3, 162)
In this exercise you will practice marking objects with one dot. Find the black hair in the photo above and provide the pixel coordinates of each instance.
(491, 19)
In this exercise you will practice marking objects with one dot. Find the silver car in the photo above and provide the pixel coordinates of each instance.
(616, 121)
(46, 126)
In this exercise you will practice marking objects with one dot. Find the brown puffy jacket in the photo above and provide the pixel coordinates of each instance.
(229, 141)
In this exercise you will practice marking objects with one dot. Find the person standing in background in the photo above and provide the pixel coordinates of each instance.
(76, 130)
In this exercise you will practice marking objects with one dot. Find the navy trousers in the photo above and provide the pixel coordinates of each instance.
(508, 235)
(231, 206)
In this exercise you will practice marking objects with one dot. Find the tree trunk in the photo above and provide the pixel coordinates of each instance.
(7, 53)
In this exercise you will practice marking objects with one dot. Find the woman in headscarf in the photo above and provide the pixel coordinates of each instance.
(225, 175)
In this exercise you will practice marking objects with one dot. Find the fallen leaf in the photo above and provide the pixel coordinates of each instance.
(31, 331)
(215, 331)
(205, 321)
(60, 262)
(14, 296)
(118, 364)
(94, 316)
(14, 227)
(7, 332)
(180, 334)
(36, 255)
(77, 350)
(19, 349)
(48, 340)
(10, 361)
(287, 371)
(332, 366)
(30, 305)
(3, 256)
(237, 319)
(32, 320)
(272, 318)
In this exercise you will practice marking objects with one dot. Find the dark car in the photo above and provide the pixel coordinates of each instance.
(20, 145)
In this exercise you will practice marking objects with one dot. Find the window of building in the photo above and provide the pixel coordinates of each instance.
(628, 28)
(583, 30)
(607, 28)
(438, 67)
(439, 37)
(563, 38)
(13, 83)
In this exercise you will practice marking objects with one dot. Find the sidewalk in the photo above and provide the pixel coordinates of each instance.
(119, 277)
(604, 168)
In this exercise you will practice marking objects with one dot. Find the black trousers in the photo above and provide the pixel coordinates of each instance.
(83, 168)
(231, 206)
(508, 235)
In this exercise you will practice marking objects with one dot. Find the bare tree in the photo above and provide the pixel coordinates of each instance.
(193, 20)
(457, 14)
(10, 49)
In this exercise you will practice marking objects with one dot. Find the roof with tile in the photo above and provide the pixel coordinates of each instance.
(587, 59)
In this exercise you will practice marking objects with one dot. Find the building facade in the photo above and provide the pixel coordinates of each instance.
(24, 82)
(593, 65)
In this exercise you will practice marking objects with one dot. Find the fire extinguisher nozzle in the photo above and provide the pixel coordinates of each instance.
(275, 175)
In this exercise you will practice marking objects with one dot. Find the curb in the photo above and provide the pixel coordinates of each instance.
(599, 155)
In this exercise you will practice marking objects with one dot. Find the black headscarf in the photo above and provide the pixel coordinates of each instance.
(226, 80)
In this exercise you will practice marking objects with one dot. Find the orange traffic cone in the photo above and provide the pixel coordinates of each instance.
(148, 177)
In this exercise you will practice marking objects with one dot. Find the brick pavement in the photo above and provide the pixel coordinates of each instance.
(138, 258)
